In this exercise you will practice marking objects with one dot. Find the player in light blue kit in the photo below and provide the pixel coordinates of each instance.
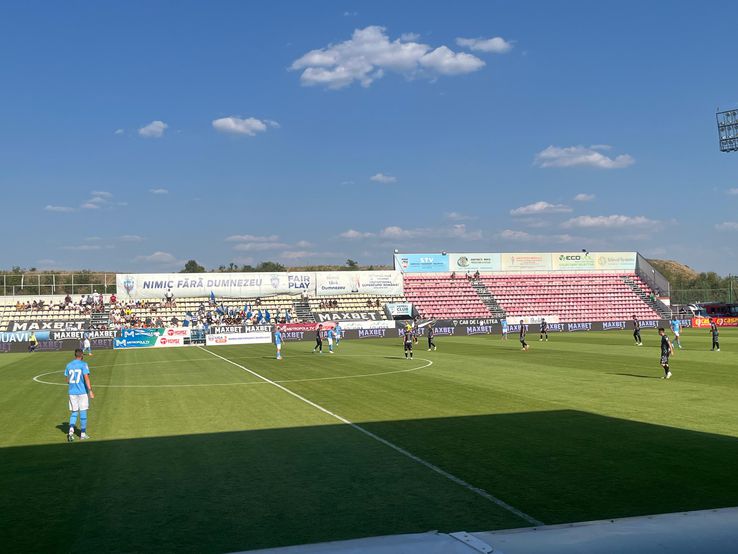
(339, 333)
(504, 329)
(278, 342)
(78, 377)
(330, 335)
(676, 327)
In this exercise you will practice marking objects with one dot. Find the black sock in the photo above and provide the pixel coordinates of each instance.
(666, 369)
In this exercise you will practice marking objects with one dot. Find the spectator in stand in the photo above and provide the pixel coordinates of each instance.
(378, 303)
(258, 301)
(67, 299)
(267, 316)
(19, 306)
(287, 316)
(175, 321)
(369, 303)
(113, 299)
(453, 275)
(169, 298)
(476, 274)
(95, 297)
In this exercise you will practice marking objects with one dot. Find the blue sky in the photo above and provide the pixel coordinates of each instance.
(138, 135)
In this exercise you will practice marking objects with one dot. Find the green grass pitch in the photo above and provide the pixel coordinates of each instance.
(192, 453)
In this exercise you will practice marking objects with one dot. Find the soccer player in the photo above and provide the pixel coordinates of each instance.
(666, 350)
(339, 333)
(330, 334)
(319, 339)
(544, 330)
(278, 341)
(407, 341)
(523, 331)
(431, 333)
(637, 331)
(78, 379)
(715, 332)
(86, 344)
(676, 327)
(33, 342)
(504, 329)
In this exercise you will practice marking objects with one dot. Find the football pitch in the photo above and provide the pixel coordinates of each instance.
(224, 449)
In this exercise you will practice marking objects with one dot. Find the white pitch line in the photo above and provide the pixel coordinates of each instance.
(429, 363)
(450, 476)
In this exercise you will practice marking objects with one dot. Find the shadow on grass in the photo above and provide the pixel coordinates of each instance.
(253, 489)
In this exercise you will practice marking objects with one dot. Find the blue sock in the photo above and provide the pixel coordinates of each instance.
(83, 420)
(73, 419)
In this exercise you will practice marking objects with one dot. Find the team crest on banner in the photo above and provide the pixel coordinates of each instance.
(274, 280)
(129, 283)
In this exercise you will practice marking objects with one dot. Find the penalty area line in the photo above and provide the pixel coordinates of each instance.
(442, 472)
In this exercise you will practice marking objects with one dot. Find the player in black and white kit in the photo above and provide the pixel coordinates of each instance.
(319, 339)
(544, 330)
(523, 331)
(430, 333)
(407, 341)
(715, 332)
(637, 331)
(666, 350)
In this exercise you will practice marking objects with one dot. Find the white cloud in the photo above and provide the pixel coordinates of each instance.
(609, 221)
(303, 244)
(155, 129)
(242, 126)
(92, 239)
(369, 53)
(354, 234)
(382, 178)
(584, 197)
(727, 226)
(541, 207)
(455, 231)
(131, 238)
(733, 191)
(456, 216)
(159, 191)
(259, 246)
(157, 258)
(298, 254)
(252, 238)
(60, 209)
(119, 132)
(409, 37)
(495, 45)
(523, 236)
(581, 156)
(90, 206)
(83, 247)
(101, 194)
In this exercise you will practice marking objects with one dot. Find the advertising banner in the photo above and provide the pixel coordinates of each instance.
(222, 339)
(422, 263)
(368, 315)
(379, 283)
(704, 322)
(384, 324)
(152, 338)
(189, 285)
(524, 262)
(573, 261)
(400, 309)
(615, 261)
(475, 262)
(47, 325)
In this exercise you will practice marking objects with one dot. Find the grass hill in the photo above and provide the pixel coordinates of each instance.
(674, 271)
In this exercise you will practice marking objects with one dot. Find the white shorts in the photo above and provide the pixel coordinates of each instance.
(330, 341)
(279, 346)
(78, 402)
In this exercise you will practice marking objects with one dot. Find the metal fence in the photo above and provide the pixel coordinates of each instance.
(40, 284)
(700, 296)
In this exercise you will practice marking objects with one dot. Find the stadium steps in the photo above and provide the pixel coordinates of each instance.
(657, 306)
(303, 311)
(486, 297)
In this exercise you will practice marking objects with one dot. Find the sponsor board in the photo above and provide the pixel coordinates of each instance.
(422, 263)
(47, 325)
(486, 321)
(251, 285)
(538, 318)
(399, 309)
(704, 322)
(379, 283)
(613, 325)
(572, 261)
(231, 329)
(23, 336)
(580, 326)
(321, 317)
(444, 330)
(295, 335)
(383, 324)
(475, 262)
(521, 261)
(222, 339)
(554, 327)
(299, 327)
(615, 261)
(137, 338)
(372, 333)
(478, 329)
(650, 324)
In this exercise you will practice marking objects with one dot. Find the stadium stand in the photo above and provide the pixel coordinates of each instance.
(443, 297)
(570, 297)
